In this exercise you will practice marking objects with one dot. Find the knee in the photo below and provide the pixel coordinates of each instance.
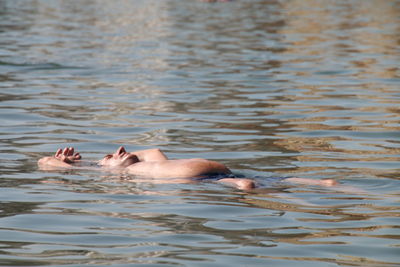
(329, 182)
(239, 183)
(246, 184)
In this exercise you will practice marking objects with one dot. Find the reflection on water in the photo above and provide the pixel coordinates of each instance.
(270, 88)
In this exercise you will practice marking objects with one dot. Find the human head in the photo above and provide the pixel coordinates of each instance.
(120, 159)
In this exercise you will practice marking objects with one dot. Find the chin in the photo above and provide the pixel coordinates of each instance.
(126, 164)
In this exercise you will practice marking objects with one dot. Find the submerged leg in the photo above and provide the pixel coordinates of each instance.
(248, 184)
(306, 181)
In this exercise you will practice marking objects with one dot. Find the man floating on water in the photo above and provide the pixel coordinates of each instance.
(154, 164)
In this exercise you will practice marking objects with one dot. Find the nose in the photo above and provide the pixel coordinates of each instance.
(121, 150)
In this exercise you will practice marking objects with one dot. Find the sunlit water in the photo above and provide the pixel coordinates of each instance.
(269, 88)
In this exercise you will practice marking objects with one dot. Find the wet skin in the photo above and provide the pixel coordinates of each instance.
(154, 164)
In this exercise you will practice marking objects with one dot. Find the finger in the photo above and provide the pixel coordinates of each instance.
(65, 151)
(77, 156)
(71, 151)
(58, 153)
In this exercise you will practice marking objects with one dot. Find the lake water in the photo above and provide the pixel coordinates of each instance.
(269, 88)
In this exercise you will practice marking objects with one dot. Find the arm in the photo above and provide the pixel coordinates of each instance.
(62, 159)
(154, 154)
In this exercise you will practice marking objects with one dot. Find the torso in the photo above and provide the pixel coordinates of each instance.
(181, 168)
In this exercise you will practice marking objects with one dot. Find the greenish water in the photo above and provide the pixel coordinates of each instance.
(269, 88)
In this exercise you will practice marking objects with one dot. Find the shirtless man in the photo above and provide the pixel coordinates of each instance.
(153, 163)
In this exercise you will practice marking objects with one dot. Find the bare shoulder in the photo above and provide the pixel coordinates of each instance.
(153, 154)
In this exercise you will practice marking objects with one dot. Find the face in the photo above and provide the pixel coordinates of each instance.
(120, 159)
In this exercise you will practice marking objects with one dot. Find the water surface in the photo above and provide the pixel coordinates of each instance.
(269, 88)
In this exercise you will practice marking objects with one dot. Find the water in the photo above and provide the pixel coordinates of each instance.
(269, 88)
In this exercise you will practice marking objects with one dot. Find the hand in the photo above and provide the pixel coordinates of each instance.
(62, 159)
(67, 155)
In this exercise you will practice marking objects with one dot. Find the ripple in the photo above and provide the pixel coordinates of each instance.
(270, 90)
